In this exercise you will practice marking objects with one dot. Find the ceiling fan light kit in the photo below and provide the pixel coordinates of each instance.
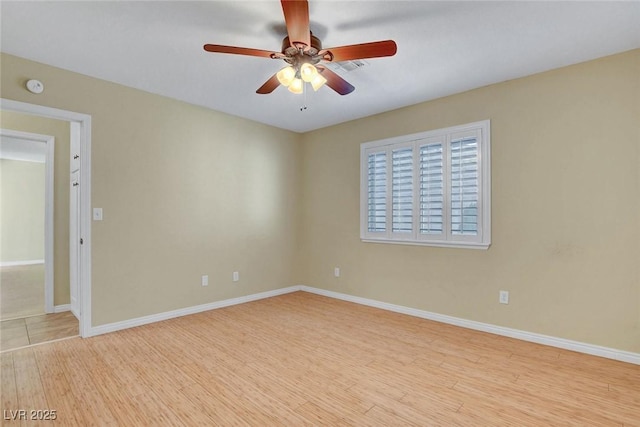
(303, 53)
(294, 79)
(317, 82)
(296, 86)
(308, 72)
(286, 75)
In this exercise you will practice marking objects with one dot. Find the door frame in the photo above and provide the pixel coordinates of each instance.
(49, 142)
(83, 123)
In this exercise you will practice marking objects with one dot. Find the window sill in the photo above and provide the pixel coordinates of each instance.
(438, 244)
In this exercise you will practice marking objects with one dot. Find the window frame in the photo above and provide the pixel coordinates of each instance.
(481, 130)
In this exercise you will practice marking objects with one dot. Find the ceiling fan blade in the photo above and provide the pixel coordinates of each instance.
(360, 51)
(296, 16)
(269, 86)
(336, 82)
(218, 48)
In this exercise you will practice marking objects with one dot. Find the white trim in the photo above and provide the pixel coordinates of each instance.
(84, 120)
(61, 308)
(17, 263)
(37, 344)
(139, 321)
(595, 350)
(481, 131)
(49, 231)
(435, 243)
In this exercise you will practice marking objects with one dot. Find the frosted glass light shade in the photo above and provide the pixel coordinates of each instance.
(286, 76)
(296, 86)
(308, 72)
(318, 81)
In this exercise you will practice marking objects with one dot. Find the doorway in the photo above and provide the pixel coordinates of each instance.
(26, 223)
(80, 260)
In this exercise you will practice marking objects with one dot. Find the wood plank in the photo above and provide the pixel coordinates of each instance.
(77, 364)
(378, 416)
(319, 416)
(9, 390)
(600, 404)
(29, 387)
(484, 412)
(58, 391)
(302, 359)
(554, 411)
(154, 412)
(118, 362)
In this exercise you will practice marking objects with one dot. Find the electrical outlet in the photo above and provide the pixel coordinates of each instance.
(236, 276)
(336, 271)
(205, 280)
(504, 297)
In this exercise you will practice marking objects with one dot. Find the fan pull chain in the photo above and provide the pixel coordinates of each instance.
(304, 97)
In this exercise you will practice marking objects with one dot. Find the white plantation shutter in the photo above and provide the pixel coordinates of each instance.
(402, 190)
(377, 191)
(464, 186)
(431, 189)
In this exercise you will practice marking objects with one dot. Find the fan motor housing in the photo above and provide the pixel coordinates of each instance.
(316, 46)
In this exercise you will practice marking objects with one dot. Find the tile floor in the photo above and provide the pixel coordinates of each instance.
(18, 333)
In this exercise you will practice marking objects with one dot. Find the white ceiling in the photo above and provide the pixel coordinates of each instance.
(443, 48)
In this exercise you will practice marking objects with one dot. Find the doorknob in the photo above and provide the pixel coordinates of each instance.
(76, 156)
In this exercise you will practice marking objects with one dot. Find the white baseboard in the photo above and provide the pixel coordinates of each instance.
(17, 263)
(595, 350)
(61, 308)
(139, 321)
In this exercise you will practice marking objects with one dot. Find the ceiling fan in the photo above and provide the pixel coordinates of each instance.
(303, 53)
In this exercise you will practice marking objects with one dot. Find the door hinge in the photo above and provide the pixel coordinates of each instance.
(81, 241)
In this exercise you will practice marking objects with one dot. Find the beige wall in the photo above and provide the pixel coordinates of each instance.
(60, 131)
(22, 187)
(186, 191)
(565, 208)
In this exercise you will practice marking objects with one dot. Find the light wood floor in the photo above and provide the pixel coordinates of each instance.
(301, 359)
(21, 291)
(37, 329)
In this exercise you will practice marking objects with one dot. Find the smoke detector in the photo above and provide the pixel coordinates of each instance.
(35, 86)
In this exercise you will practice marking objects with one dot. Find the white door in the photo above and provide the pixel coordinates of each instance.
(74, 242)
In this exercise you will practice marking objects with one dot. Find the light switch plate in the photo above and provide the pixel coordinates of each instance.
(504, 297)
(97, 214)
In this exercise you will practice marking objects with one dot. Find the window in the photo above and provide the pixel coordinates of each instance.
(431, 188)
